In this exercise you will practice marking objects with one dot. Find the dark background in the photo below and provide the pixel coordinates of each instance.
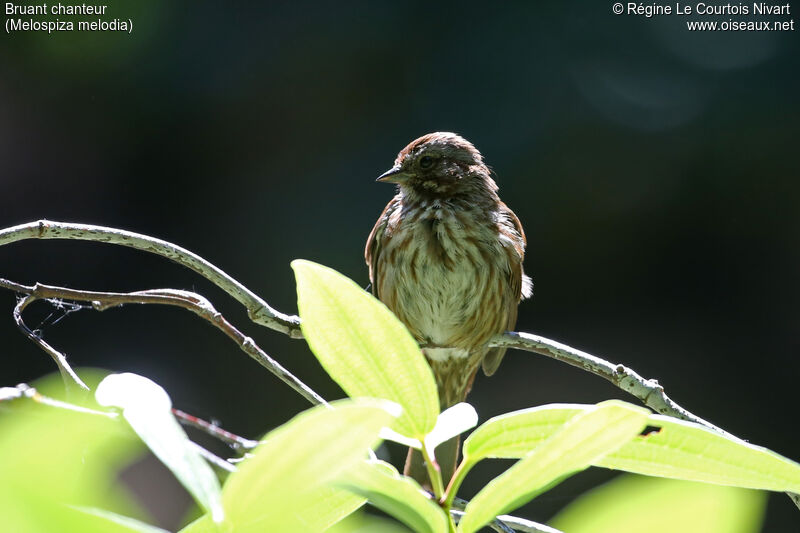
(654, 169)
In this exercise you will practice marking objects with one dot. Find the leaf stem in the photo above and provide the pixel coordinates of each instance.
(451, 523)
(434, 473)
(455, 484)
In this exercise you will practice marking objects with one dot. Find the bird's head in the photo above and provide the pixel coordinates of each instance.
(440, 164)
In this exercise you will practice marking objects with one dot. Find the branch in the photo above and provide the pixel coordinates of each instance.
(23, 390)
(188, 300)
(215, 460)
(235, 441)
(71, 379)
(795, 498)
(506, 522)
(496, 524)
(27, 392)
(647, 390)
(259, 311)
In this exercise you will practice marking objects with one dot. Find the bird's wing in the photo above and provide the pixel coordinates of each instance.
(520, 284)
(373, 249)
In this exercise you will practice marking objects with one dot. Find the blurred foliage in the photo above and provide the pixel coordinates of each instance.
(52, 459)
(633, 504)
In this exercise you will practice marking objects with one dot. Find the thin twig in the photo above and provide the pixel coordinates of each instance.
(188, 300)
(496, 525)
(526, 526)
(235, 441)
(70, 378)
(212, 458)
(647, 390)
(795, 498)
(25, 391)
(506, 521)
(259, 311)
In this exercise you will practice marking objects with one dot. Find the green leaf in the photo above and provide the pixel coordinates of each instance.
(633, 504)
(204, 524)
(293, 462)
(147, 408)
(116, 522)
(584, 439)
(364, 347)
(684, 450)
(513, 435)
(326, 506)
(680, 450)
(362, 522)
(452, 421)
(397, 495)
(52, 459)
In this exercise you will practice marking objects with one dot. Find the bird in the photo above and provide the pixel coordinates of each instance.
(445, 256)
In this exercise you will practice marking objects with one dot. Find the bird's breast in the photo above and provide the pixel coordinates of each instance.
(442, 272)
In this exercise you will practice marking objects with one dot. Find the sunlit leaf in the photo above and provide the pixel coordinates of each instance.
(361, 522)
(326, 506)
(204, 524)
(633, 504)
(684, 450)
(272, 488)
(583, 440)
(397, 495)
(116, 522)
(451, 422)
(515, 434)
(364, 347)
(322, 509)
(52, 459)
(674, 449)
(147, 408)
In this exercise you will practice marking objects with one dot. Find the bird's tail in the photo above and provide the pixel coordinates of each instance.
(454, 378)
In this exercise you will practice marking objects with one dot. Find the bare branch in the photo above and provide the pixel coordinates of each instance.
(259, 311)
(795, 498)
(188, 300)
(71, 379)
(506, 522)
(495, 525)
(647, 390)
(215, 460)
(235, 441)
(25, 391)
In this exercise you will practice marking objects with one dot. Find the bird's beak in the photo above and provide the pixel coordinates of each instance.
(394, 175)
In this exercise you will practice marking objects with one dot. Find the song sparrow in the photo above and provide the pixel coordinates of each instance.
(446, 257)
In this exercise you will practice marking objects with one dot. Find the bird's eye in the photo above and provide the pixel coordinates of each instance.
(426, 162)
